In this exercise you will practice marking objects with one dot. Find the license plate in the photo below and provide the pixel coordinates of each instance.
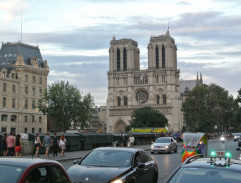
(220, 153)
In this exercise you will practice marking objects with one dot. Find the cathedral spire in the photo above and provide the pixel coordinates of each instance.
(201, 79)
(197, 81)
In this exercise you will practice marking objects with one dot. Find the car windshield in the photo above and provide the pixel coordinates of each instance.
(200, 175)
(10, 174)
(107, 158)
(163, 140)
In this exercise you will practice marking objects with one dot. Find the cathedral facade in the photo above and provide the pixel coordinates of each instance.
(129, 87)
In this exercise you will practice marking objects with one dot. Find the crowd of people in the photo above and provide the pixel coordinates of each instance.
(48, 143)
(11, 145)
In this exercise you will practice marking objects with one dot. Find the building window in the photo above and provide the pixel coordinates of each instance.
(40, 119)
(40, 91)
(4, 74)
(3, 129)
(125, 101)
(4, 87)
(4, 117)
(33, 91)
(25, 130)
(13, 118)
(33, 104)
(13, 88)
(25, 119)
(4, 102)
(40, 80)
(13, 103)
(26, 78)
(13, 130)
(118, 101)
(32, 130)
(26, 104)
(26, 90)
(125, 60)
(164, 99)
(157, 58)
(118, 60)
(32, 118)
(12, 75)
(33, 79)
(5, 55)
(157, 99)
(40, 130)
(163, 57)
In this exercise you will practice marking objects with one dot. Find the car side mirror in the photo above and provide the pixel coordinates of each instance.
(141, 165)
(77, 161)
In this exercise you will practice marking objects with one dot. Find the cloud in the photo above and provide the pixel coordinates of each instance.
(11, 10)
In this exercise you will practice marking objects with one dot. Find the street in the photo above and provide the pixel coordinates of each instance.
(168, 162)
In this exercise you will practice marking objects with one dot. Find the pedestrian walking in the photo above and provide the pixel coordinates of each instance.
(18, 146)
(4, 145)
(122, 139)
(131, 140)
(10, 144)
(47, 143)
(162, 134)
(62, 144)
(55, 144)
(37, 145)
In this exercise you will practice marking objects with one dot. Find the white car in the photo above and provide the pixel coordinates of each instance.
(164, 144)
(236, 137)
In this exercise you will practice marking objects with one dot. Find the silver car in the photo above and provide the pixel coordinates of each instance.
(236, 137)
(164, 144)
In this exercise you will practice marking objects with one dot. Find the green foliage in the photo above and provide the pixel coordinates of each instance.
(64, 104)
(207, 106)
(147, 117)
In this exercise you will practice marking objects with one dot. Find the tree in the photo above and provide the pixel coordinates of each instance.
(64, 104)
(147, 117)
(209, 106)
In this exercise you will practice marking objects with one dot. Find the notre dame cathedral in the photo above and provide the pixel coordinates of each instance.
(130, 88)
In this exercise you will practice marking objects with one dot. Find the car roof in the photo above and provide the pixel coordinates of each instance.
(25, 162)
(235, 165)
(127, 149)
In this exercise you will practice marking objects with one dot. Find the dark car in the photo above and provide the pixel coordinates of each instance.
(25, 170)
(218, 168)
(115, 165)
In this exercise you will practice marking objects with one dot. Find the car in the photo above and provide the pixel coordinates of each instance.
(27, 170)
(236, 137)
(115, 165)
(164, 144)
(219, 167)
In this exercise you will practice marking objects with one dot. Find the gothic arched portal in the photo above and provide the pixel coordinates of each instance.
(119, 126)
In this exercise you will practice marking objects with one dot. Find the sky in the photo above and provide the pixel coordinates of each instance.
(74, 37)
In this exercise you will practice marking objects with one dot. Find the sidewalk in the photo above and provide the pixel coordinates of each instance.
(78, 154)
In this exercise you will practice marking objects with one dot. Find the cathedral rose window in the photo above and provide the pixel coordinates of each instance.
(142, 96)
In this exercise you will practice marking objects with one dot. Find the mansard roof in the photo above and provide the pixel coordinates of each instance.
(9, 52)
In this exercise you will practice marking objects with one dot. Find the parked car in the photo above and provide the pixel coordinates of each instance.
(164, 144)
(25, 170)
(219, 167)
(236, 137)
(115, 165)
